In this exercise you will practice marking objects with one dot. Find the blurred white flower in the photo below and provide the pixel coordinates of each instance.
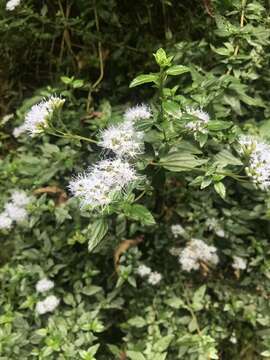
(37, 118)
(12, 4)
(18, 131)
(177, 230)
(174, 251)
(47, 305)
(137, 112)
(239, 263)
(20, 198)
(154, 278)
(16, 213)
(44, 285)
(123, 140)
(5, 221)
(199, 124)
(143, 270)
(196, 251)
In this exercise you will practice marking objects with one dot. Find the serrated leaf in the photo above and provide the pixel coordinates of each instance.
(198, 297)
(181, 161)
(177, 70)
(163, 343)
(143, 79)
(225, 157)
(220, 189)
(98, 230)
(135, 355)
(140, 213)
(216, 125)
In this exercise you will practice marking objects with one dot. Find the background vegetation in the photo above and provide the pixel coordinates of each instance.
(89, 52)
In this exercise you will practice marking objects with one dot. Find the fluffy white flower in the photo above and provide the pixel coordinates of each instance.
(258, 154)
(20, 198)
(18, 131)
(99, 185)
(144, 270)
(154, 278)
(196, 251)
(239, 263)
(47, 305)
(5, 221)
(177, 230)
(41, 308)
(12, 4)
(16, 213)
(37, 118)
(174, 251)
(44, 285)
(202, 118)
(137, 112)
(123, 140)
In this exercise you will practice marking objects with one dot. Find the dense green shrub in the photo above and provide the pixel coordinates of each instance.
(124, 276)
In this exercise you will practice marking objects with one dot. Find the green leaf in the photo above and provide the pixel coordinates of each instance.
(220, 189)
(137, 322)
(181, 161)
(163, 343)
(216, 125)
(198, 298)
(140, 213)
(177, 70)
(225, 157)
(135, 355)
(98, 230)
(143, 79)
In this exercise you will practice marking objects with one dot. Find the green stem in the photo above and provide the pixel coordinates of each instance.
(59, 133)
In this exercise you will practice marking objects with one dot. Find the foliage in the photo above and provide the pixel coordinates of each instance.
(191, 173)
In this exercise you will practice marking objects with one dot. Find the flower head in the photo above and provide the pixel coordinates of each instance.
(199, 124)
(47, 305)
(154, 278)
(258, 155)
(5, 221)
(44, 285)
(196, 251)
(137, 113)
(123, 140)
(17, 131)
(99, 185)
(16, 213)
(12, 4)
(144, 270)
(239, 263)
(20, 198)
(37, 119)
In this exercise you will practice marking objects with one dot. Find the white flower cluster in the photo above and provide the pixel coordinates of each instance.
(153, 277)
(14, 210)
(123, 139)
(102, 182)
(239, 263)
(12, 4)
(177, 230)
(258, 154)
(200, 124)
(44, 285)
(50, 303)
(19, 130)
(138, 112)
(37, 119)
(195, 252)
(175, 251)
